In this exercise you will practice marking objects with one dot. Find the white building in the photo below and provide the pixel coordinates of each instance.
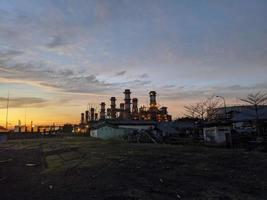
(217, 134)
(117, 129)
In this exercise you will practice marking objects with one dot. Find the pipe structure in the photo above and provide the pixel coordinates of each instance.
(102, 110)
(135, 105)
(113, 107)
(164, 110)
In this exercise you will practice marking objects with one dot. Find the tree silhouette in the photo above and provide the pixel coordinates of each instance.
(256, 100)
(205, 110)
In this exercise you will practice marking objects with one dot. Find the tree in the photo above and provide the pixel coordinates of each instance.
(212, 104)
(256, 100)
(190, 111)
(205, 110)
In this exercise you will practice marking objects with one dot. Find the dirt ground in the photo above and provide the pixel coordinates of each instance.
(84, 168)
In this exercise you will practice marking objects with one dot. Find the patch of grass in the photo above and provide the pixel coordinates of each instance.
(54, 163)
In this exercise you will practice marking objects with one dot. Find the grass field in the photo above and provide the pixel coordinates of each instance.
(85, 168)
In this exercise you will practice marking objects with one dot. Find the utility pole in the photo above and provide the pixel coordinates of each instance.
(225, 118)
(224, 104)
(25, 118)
(7, 107)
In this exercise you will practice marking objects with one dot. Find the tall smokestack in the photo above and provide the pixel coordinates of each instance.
(121, 110)
(92, 111)
(109, 113)
(96, 116)
(153, 101)
(127, 101)
(135, 108)
(82, 118)
(113, 107)
(102, 110)
(86, 116)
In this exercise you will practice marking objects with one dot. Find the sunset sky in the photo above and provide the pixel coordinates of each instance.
(58, 56)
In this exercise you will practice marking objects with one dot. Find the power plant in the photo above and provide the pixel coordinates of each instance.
(127, 111)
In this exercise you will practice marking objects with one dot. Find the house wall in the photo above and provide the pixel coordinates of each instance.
(216, 135)
(244, 127)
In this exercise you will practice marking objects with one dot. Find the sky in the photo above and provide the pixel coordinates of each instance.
(59, 56)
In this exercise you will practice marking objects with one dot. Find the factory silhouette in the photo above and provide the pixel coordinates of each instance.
(126, 112)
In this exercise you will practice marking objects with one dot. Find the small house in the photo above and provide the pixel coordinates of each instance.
(217, 133)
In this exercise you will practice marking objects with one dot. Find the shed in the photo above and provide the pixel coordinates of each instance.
(217, 133)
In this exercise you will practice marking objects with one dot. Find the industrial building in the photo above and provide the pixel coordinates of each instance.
(128, 111)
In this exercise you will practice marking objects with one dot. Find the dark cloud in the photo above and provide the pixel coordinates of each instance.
(91, 79)
(231, 92)
(66, 72)
(55, 42)
(145, 75)
(9, 54)
(168, 86)
(65, 80)
(18, 102)
(121, 73)
(142, 82)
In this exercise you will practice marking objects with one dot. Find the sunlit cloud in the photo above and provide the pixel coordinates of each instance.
(22, 102)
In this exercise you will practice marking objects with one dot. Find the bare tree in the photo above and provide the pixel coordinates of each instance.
(256, 100)
(205, 110)
(212, 104)
(201, 110)
(197, 110)
(190, 111)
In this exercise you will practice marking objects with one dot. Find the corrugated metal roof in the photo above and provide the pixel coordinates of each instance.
(249, 114)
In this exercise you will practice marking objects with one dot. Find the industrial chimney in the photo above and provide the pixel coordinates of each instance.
(82, 118)
(121, 110)
(86, 116)
(109, 113)
(102, 110)
(135, 108)
(127, 101)
(92, 111)
(113, 107)
(96, 116)
(153, 101)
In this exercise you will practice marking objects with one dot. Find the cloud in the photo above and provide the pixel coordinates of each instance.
(121, 73)
(141, 82)
(9, 54)
(231, 92)
(60, 80)
(55, 42)
(66, 72)
(168, 86)
(145, 75)
(19, 102)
